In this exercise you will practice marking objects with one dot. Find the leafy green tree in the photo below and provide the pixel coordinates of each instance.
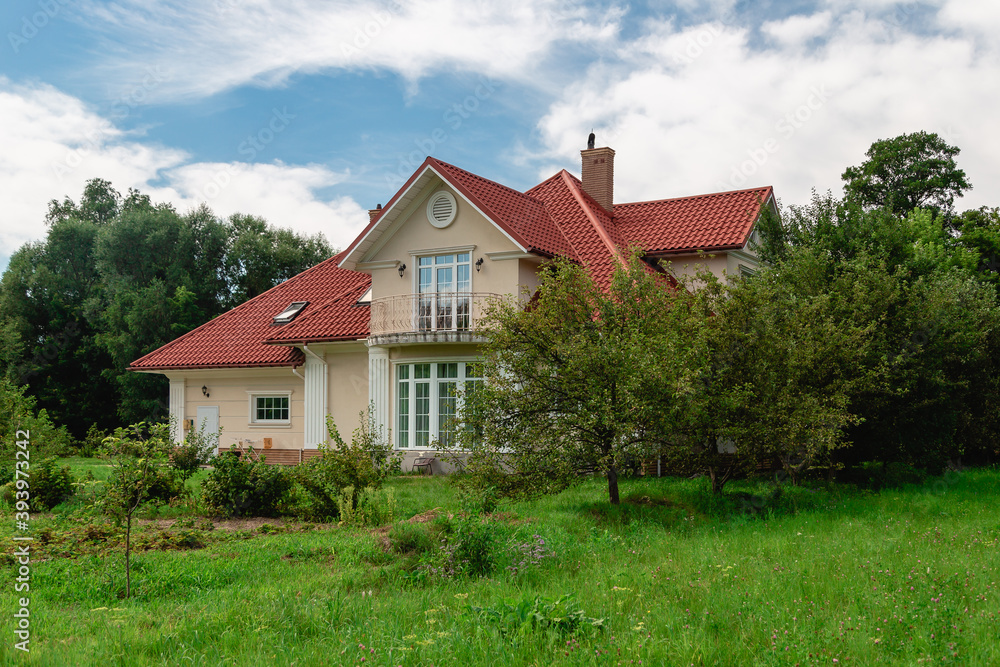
(261, 256)
(580, 381)
(910, 171)
(136, 455)
(117, 277)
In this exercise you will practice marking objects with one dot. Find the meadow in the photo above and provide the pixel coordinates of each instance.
(812, 575)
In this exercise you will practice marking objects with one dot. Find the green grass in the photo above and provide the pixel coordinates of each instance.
(808, 577)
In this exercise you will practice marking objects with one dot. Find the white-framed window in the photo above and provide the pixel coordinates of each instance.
(444, 285)
(428, 399)
(270, 407)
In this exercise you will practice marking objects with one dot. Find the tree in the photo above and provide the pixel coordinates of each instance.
(906, 172)
(581, 380)
(116, 277)
(136, 455)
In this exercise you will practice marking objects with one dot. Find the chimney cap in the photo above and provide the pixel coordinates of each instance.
(591, 140)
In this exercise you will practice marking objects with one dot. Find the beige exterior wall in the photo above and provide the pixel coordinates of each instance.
(227, 390)
(347, 394)
(412, 232)
(721, 264)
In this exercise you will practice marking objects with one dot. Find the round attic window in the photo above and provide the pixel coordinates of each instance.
(441, 209)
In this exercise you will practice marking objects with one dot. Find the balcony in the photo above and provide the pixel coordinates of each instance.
(435, 317)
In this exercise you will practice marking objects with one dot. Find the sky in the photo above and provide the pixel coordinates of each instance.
(310, 112)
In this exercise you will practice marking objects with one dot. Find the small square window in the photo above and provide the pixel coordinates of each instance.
(270, 409)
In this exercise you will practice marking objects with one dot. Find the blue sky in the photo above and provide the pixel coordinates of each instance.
(308, 112)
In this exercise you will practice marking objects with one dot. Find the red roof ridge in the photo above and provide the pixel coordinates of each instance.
(579, 195)
(434, 160)
(763, 188)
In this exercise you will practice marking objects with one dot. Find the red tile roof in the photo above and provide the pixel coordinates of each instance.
(556, 217)
(519, 214)
(239, 337)
(717, 221)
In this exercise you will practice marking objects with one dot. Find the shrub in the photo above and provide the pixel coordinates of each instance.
(410, 538)
(196, 451)
(375, 507)
(365, 462)
(90, 446)
(50, 484)
(471, 546)
(242, 487)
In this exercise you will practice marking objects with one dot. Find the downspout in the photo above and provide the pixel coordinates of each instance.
(301, 377)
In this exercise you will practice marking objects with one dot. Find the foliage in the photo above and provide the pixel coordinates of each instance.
(137, 455)
(238, 486)
(910, 171)
(534, 613)
(115, 278)
(51, 484)
(18, 413)
(197, 450)
(580, 381)
(91, 444)
(364, 462)
(370, 507)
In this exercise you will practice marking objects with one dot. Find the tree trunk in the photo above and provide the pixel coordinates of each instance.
(128, 569)
(613, 485)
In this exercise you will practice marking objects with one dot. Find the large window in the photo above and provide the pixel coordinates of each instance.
(269, 408)
(444, 284)
(428, 398)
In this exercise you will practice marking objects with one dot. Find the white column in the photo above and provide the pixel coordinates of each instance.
(315, 401)
(177, 409)
(378, 387)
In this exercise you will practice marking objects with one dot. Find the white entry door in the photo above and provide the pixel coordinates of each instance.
(209, 416)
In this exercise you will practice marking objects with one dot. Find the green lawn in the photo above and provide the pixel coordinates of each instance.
(826, 577)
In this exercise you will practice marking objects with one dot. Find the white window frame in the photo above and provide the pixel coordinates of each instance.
(252, 397)
(434, 415)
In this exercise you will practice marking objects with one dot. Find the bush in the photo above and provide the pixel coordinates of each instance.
(410, 538)
(90, 446)
(471, 546)
(196, 451)
(363, 463)
(375, 507)
(50, 484)
(242, 487)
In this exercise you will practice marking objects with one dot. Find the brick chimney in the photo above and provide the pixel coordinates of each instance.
(599, 174)
(374, 212)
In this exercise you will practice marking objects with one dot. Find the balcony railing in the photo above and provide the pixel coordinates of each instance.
(436, 312)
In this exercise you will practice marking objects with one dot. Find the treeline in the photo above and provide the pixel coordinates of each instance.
(871, 335)
(116, 277)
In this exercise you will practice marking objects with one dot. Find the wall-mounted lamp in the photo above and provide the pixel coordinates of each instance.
(204, 390)
(479, 264)
(402, 267)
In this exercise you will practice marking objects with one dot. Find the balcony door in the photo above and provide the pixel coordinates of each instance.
(444, 292)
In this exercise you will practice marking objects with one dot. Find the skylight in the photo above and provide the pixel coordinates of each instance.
(288, 314)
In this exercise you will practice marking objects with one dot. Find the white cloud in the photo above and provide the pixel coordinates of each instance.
(700, 109)
(206, 47)
(53, 144)
(798, 29)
